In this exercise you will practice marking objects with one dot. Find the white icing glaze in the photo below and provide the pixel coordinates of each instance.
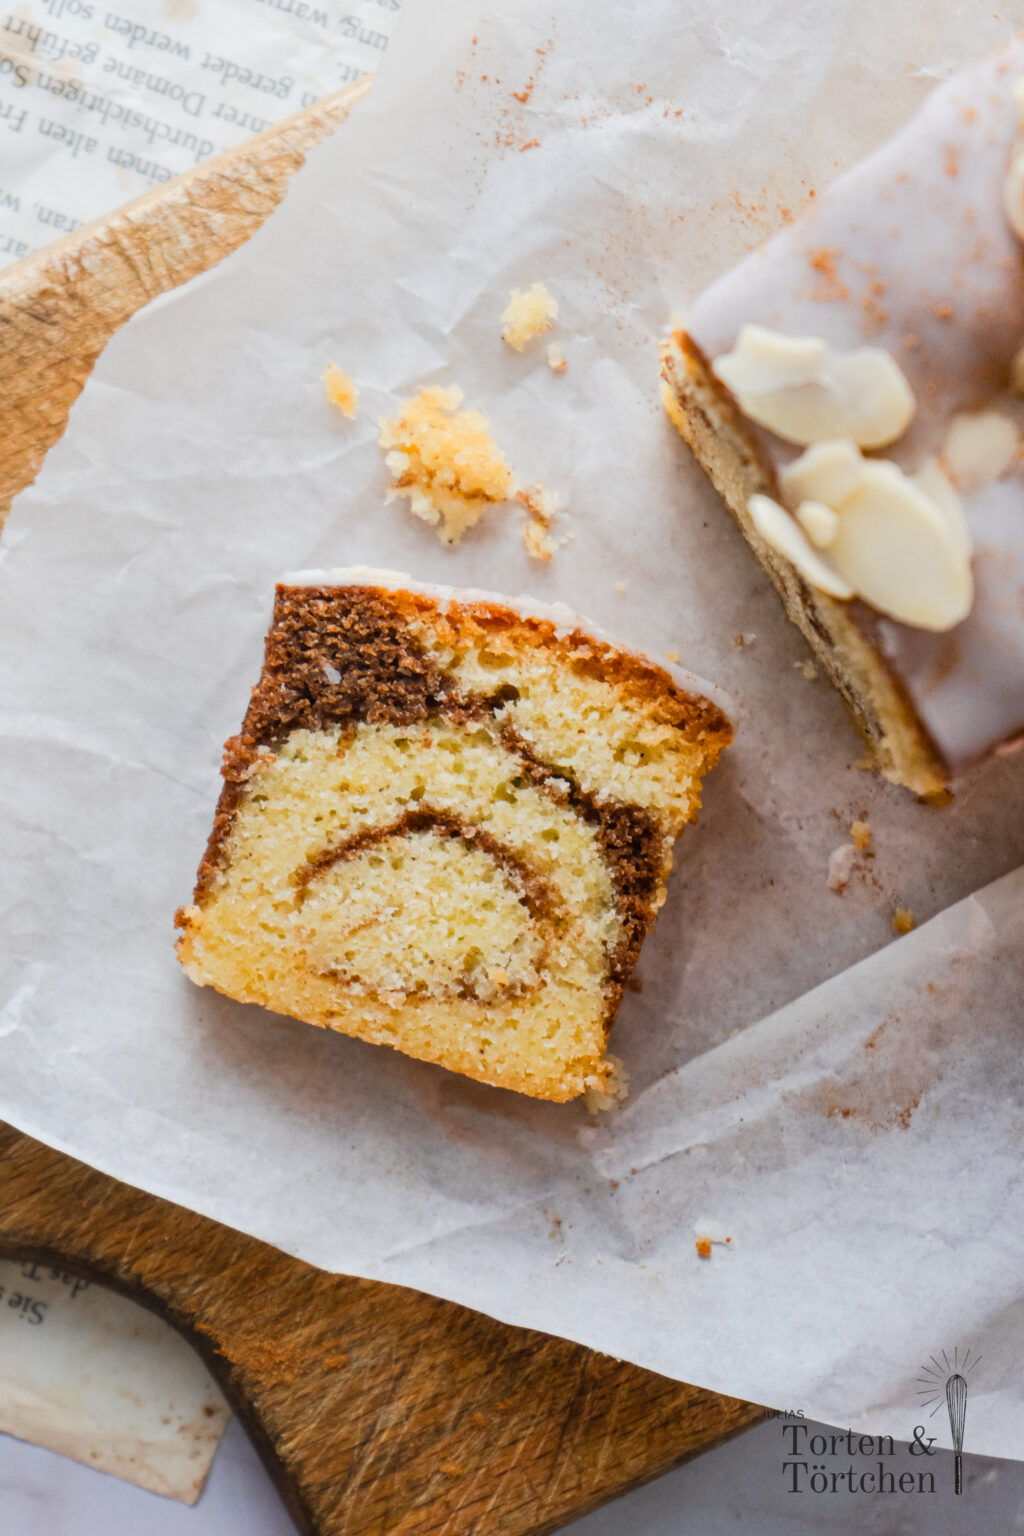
(564, 618)
(911, 251)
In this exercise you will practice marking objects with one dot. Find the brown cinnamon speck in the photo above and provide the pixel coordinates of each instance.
(875, 316)
(703, 1246)
(943, 311)
(823, 261)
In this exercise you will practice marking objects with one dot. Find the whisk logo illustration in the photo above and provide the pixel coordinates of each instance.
(947, 1383)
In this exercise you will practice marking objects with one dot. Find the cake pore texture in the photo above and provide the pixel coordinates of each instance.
(446, 827)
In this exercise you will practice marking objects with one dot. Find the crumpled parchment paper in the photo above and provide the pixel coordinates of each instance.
(846, 1105)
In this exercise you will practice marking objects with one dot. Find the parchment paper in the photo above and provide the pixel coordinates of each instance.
(860, 1142)
(101, 100)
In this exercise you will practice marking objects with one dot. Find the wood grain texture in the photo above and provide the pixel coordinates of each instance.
(375, 1409)
(60, 306)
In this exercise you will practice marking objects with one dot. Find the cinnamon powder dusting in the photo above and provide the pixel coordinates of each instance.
(823, 261)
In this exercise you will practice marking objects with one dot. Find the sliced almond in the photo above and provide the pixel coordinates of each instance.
(896, 550)
(764, 360)
(980, 447)
(932, 479)
(819, 522)
(826, 472)
(806, 392)
(782, 534)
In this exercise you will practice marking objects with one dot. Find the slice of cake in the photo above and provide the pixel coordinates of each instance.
(447, 825)
(853, 389)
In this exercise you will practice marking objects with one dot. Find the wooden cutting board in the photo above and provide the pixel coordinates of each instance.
(375, 1409)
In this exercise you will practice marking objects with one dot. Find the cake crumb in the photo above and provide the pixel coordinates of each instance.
(444, 461)
(808, 669)
(860, 833)
(840, 867)
(707, 1231)
(340, 390)
(538, 542)
(557, 360)
(620, 587)
(672, 656)
(542, 505)
(903, 921)
(615, 1091)
(528, 314)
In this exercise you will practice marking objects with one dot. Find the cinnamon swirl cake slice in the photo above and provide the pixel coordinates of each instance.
(447, 825)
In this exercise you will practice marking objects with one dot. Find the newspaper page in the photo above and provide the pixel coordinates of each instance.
(93, 1376)
(100, 102)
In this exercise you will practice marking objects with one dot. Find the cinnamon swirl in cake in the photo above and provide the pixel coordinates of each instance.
(447, 825)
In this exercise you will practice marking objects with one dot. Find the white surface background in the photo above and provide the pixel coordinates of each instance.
(738, 1486)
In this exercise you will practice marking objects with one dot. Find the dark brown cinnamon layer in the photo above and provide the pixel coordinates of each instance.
(346, 655)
